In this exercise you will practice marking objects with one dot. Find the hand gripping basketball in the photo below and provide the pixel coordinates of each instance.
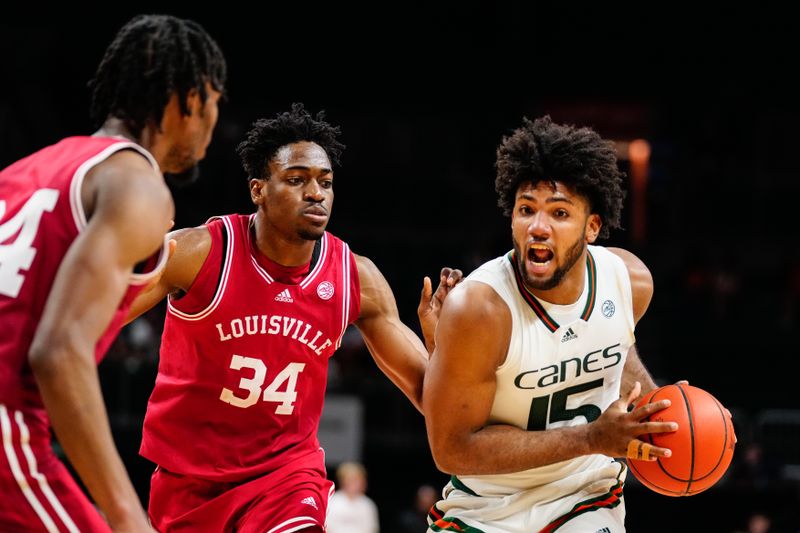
(623, 433)
(638, 448)
(703, 446)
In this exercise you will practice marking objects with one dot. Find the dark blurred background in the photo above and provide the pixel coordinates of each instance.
(424, 94)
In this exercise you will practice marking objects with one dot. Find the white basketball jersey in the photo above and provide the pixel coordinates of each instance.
(563, 366)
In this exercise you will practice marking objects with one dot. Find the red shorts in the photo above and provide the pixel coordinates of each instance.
(38, 493)
(292, 498)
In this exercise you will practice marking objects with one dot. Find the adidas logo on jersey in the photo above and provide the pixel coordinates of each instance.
(310, 501)
(603, 530)
(568, 336)
(284, 296)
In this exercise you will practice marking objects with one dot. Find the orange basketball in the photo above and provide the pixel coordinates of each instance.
(702, 447)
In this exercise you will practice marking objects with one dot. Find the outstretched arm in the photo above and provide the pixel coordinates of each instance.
(397, 350)
(87, 290)
(192, 246)
(460, 384)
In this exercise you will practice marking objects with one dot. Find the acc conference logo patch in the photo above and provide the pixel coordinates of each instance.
(608, 309)
(325, 290)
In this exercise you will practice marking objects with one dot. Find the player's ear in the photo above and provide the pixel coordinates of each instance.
(258, 191)
(593, 226)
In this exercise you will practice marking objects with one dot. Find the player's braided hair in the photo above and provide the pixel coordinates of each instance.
(267, 135)
(151, 57)
(541, 150)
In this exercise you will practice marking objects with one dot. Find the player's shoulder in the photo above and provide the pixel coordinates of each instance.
(125, 160)
(628, 257)
(196, 238)
(129, 178)
(474, 300)
(193, 247)
(365, 265)
(639, 273)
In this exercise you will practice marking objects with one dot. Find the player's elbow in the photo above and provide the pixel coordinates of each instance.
(47, 357)
(443, 464)
(43, 359)
(450, 462)
(447, 457)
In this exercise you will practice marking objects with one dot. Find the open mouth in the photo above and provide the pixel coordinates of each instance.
(539, 254)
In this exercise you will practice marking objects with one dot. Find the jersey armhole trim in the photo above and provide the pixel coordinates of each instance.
(76, 206)
(346, 286)
(222, 283)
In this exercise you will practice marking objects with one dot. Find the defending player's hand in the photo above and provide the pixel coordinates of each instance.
(430, 303)
(617, 430)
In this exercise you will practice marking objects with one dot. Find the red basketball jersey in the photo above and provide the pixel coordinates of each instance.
(241, 383)
(40, 216)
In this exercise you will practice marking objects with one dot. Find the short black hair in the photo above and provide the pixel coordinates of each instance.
(541, 150)
(151, 57)
(268, 135)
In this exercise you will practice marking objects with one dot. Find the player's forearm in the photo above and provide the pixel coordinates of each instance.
(410, 383)
(405, 369)
(70, 389)
(428, 336)
(145, 301)
(633, 371)
(477, 453)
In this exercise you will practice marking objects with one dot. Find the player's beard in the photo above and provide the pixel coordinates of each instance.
(573, 254)
(185, 178)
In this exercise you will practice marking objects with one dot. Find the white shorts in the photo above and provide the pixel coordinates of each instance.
(597, 508)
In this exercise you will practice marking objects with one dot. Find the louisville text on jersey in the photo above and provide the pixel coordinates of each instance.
(274, 325)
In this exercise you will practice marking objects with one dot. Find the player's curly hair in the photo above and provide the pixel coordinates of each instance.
(151, 57)
(541, 150)
(267, 135)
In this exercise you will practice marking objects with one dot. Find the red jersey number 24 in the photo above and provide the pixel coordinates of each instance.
(18, 255)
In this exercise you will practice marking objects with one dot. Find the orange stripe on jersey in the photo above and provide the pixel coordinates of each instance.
(445, 524)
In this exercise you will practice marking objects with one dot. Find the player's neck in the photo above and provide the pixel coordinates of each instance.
(151, 139)
(288, 252)
(115, 127)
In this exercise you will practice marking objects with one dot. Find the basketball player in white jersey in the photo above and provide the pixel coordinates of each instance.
(526, 395)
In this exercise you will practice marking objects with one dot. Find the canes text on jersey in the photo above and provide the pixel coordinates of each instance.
(593, 361)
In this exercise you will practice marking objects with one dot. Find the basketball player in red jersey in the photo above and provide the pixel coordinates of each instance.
(82, 225)
(257, 305)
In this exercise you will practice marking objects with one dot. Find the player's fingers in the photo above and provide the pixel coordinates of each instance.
(454, 277)
(427, 291)
(649, 408)
(634, 393)
(658, 427)
(644, 451)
